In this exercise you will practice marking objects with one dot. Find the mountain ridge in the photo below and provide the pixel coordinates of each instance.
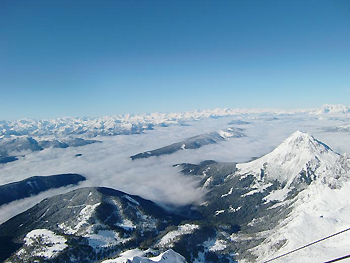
(193, 142)
(36, 184)
(299, 154)
(246, 211)
(100, 220)
(135, 124)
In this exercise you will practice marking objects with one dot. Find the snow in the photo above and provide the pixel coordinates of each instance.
(226, 135)
(126, 224)
(327, 171)
(129, 124)
(104, 238)
(127, 255)
(183, 146)
(257, 187)
(277, 195)
(229, 133)
(229, 193)
(331, 109)
(318, 212)
(43, 243)
(218, 212)
(207, 182)
(215, 245)
(169, 256)
(173, 235)
(83, 218)
(132, 200)
(137, 256)
(233, 210)
(299, 153)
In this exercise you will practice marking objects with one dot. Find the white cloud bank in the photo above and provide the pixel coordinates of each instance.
(108, 164)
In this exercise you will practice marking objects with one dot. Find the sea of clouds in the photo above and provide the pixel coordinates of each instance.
(108, 163)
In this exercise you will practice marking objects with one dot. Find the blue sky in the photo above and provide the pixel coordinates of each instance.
(95, 58)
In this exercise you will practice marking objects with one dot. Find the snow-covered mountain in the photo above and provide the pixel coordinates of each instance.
(340, 128)
(194, 142)
(299, 159)
(332, 109)
(134, 124)
(18, 144)
(84, 225)
(250, 212)
(260, 206)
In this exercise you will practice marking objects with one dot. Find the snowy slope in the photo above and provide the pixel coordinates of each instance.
(320, 206)
(169, 256)
(292, 196)
(299, 158)
(86, 225)
(248, 210)
(42, 243)
(172, 235)
(319, 211)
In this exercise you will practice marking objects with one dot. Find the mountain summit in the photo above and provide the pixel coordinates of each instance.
(300, 157)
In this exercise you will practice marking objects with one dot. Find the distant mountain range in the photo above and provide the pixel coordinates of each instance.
(134, 124)
(340, 128)
(250, 212)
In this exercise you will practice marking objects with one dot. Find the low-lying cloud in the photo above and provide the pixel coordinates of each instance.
(108, 164)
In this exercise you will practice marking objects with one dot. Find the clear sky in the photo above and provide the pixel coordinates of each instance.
(94, 58)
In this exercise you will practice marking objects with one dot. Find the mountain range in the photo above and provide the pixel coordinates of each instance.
(250, 212)
(134, 124)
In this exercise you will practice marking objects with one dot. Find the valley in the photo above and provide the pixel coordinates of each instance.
(254, 186)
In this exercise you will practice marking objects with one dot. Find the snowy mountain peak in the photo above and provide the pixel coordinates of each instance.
(332, 109)
(299, 135)
(300, 158)
(300, 140)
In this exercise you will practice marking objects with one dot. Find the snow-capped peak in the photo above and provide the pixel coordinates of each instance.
(299, 158)
(231, 132)
(302, 141)
(332, 109)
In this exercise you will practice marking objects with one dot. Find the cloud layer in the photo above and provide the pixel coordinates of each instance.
(108, 164)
